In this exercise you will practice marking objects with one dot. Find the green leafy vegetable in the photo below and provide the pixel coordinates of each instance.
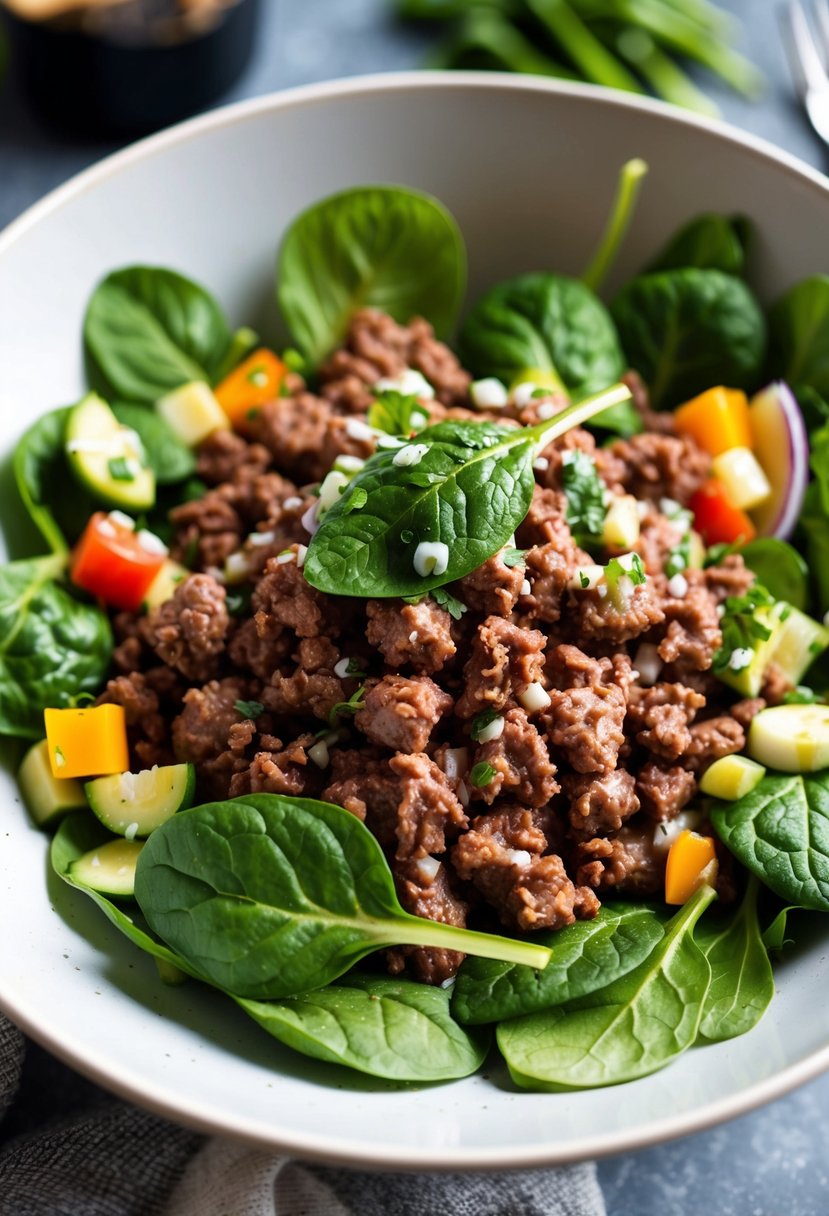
(52, 646)
(149, 330)
(57, 505)
(780, 832)
(779, 568)
(477, 483)
(684, 330)
(249, 709)
(740, 625)
(742, 984)
(513, 557)
(396, 413)
(799, 336)
(167, 456)
(774, 937)
(585, 956)
(626, 1030)
(268, 896)
(708, 242)
(455, 607)
(381, 246)
(390, 1028)
(585, 493)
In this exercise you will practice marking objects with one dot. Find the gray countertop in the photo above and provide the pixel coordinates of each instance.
(776, 1160)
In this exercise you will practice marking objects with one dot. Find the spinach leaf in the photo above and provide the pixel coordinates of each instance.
(585, 494)
(397, 1029)
(52, 646)
(77, 834)
(708, 242)
(799, 335)
(148, 330)
(774, 936)
(393, 413)
(813, 528)
(57, 505)
(455, 507)
(547, 322)
(742, 984)
(626, 1030)
(268, 896)
(381, 246)
(684, 330)
(779, 568)
(168, 457)
(587, 955)
(780, 832)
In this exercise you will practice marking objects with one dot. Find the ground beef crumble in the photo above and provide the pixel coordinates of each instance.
(512, 762)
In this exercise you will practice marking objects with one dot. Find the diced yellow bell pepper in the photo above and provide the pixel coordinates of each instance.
(688, 857)
(718, 419)
(89, 742)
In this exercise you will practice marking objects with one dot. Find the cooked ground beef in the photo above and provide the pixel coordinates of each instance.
(511, 759)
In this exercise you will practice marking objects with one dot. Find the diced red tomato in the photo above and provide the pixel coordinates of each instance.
(115, 563)
(716, 519)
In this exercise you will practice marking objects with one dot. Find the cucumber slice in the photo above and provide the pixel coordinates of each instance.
(747, 679)
(731, 777)
(108, 458)
(110, 868)
(135, 804)
(797, 643)
(791, 738)
(163, 586)
(47, 798)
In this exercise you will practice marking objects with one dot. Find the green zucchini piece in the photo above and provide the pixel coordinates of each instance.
(135, 804)
(47, 798)
(109, 869)
(107, 457)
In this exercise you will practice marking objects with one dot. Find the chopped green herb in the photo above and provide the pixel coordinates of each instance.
(119, 469)
(455, 607)
(353, 668)
(481, 721)
(513, 557)
(352, 706)
(258, 376)
(396, 413)
(629, 566)
(249, 709)
(585, 495)
(584, 579)
(679, 557)
(238, 600)
(481, 775)
(801, 695)
(740, 625)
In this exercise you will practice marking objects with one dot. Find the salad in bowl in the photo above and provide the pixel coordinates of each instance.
(416, 695)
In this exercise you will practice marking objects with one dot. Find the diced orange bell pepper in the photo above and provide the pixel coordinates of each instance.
(89, 742)
(116, 563)
(256, 380)
(687, 859)
(716, 519)
(718, 419)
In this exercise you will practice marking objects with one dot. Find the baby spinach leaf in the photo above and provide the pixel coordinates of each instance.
(373, 246)
(547, 322)
(52, 646)
(709, 242)
(780, 832)
(268, 896)
(474, 487)
(626, 1030)
(774, 936)
(684, 330)
(77, 834)
(585, 956)
(742, 984)
(168, 457)
(799, 335)
(779, 567)
(57, 505)
(148, 330)
(390, 1028)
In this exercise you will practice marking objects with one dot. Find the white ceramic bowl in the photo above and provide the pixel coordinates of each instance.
(528, 168)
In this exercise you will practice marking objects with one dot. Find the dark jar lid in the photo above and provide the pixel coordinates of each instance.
(122, 77)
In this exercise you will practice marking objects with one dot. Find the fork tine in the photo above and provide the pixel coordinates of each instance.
(821, 9)
(806, 63)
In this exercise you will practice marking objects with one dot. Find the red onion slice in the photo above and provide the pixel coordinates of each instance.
(781, 445)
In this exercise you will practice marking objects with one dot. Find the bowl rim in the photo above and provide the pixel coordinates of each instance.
(323, 1148)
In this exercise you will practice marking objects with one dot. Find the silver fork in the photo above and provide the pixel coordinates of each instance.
(807, 46)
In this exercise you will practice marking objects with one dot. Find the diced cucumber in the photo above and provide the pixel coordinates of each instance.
(135, 804)
(110, 868)
(163, 586)
(621, 524)
(108, 458)
(747, 678)
(731, 777)
(47, 797)
(193, 412)
(798, 641)
(791, 738)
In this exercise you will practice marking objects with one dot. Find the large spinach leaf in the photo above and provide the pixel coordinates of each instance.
(148, 330)
(631, 1028)
(543, 321)
(799, 335)
(780, 832)
(381, 246)
(684, 330)
(168, 457)
(52, 646)
(742, 984)
(585, 956)
(467, 491)
(397, 1029)
(268, 896)
(59, 507)
(709, 242)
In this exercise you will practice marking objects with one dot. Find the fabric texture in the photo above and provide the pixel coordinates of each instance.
(69, 1149)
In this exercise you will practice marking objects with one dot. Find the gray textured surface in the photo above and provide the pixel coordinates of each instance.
(766, 1164)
